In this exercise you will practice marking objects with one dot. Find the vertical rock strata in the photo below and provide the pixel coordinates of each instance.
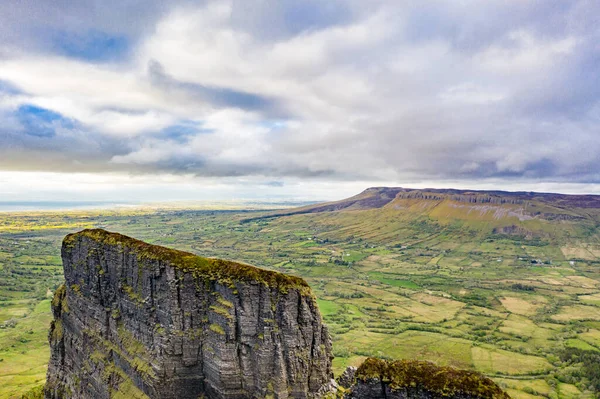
(136, 320)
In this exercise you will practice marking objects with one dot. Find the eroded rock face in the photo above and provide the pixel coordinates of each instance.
(411, 379)
(137, 321)
(346, 380)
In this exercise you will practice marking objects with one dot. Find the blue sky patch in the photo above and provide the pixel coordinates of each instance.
(308, 15)
(95, 46)
(182, 131)
(8, 88)
(273, 124)
(40, 122)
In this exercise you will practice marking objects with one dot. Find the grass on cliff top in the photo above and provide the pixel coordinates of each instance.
(223, 271)
(446, 381)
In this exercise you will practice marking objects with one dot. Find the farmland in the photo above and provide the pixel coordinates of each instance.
(433, 285)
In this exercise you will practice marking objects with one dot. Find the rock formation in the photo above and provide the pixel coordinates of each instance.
(135, 320)
(411, 379)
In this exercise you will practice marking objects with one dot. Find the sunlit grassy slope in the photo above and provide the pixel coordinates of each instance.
(499, 287)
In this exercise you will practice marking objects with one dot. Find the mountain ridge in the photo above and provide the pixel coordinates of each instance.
(532, 204)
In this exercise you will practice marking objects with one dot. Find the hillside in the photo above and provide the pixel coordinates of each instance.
(450, 204)
(567, 220)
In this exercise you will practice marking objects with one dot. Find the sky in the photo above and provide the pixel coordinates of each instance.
(157, 101)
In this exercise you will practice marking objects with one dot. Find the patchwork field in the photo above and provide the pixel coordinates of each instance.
(390, 283)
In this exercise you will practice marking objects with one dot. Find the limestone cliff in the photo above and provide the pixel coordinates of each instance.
(411, 379)
(136, 320)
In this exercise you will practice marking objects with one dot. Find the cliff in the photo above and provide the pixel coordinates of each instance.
(411, 379)
(135, 320)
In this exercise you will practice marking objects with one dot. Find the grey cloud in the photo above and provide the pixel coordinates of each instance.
(30, 23)
(68, 149)
(271, 21)
(442, 92)
(220, 97)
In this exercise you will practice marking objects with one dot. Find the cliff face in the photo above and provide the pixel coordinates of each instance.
(137, 321)
(410, 379)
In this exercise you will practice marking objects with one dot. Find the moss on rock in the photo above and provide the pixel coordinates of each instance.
(224, 271)
(34, 393)
(444, 381)
(59, 301)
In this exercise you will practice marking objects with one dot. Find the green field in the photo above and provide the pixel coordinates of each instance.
(442, 286)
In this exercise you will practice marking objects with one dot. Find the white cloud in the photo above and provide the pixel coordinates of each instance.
(471, 93)
(393, 92)
(525, 53)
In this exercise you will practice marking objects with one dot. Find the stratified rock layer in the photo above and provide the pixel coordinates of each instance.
(411, 379)
(136, 321)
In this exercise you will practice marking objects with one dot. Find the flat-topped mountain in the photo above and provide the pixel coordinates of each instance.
(500, 212)
(385, 197)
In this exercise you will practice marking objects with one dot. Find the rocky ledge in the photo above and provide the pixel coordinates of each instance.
(135, 320)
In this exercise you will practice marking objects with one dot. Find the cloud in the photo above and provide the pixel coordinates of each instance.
(338, 91)
(217, 96)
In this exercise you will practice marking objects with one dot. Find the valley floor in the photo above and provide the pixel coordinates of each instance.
(393, 287)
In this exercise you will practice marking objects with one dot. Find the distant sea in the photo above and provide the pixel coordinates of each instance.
(20, 206)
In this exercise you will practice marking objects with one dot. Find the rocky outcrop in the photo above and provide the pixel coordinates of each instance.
(346, 379)
(141, 321)
(410, 379)
(468, 197)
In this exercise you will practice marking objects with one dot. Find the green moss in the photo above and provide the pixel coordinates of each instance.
(59, 304)
(445, 381)
(132, 294)
(58, 295)
(76, 288)
(194, 333)
(222, 311)
(135, 352)
(56, 331)
(97, 357)
(128, 348)
(225, 302)
(35, 393)
(217, 329)
(222, 271)
(59, 301)
(126, 388)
